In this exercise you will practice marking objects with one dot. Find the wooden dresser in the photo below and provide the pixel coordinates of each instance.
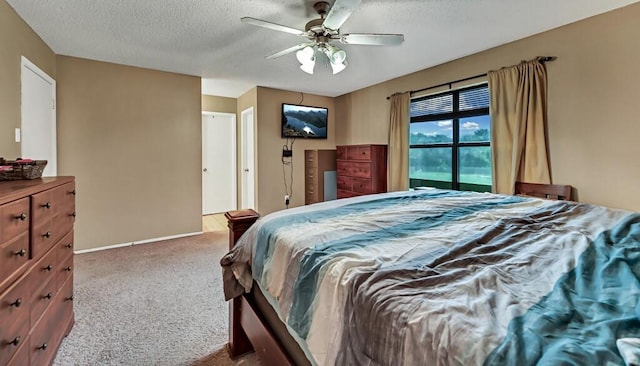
(36, 268)
(316, 163)
(361, 169)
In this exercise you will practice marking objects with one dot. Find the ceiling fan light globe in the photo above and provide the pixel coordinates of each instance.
(306, 54)
(308, 67)
(338, 57)
(337, 67)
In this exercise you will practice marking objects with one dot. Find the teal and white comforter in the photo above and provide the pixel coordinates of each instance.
(449, 278)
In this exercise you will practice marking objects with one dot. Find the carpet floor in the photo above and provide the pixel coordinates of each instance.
(151, 304)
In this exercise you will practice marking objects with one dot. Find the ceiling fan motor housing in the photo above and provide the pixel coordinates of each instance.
(315, 26)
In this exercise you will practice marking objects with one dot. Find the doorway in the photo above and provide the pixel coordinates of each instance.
(218, 162)
(247, 199)
(38, 123)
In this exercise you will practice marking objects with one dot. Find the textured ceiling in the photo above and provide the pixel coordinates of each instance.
(207, 39)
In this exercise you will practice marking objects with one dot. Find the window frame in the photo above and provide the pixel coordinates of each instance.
(455, 117)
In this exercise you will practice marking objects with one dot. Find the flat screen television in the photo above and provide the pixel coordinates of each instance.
(304, 121)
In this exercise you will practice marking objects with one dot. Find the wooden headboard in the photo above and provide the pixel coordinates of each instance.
(549, 191)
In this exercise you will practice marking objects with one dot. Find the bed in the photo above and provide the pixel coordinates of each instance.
(437, 277)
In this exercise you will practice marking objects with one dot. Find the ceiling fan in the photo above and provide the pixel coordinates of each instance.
(321, 32)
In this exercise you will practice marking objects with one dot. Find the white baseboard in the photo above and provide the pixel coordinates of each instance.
(136, 243)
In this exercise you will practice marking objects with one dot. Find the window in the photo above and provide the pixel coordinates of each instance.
(450, 140)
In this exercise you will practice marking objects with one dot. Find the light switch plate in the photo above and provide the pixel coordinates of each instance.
(17, 135)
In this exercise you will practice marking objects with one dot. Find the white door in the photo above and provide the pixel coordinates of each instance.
(218, 162)
(248, 163)
(38, 135)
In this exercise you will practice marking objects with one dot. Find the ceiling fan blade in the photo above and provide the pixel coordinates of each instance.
(340, 11)
(371, 39)
(273, 26)
(289, 50)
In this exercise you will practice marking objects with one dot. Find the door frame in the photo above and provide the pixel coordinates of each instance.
(234, 150)
(26, 64)
(243, 200)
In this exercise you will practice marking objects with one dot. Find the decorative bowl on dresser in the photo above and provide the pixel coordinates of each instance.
(36, 268)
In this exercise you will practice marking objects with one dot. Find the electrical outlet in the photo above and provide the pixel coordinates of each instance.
(286, 199)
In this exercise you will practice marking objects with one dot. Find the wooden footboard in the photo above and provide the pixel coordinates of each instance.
(248, 328)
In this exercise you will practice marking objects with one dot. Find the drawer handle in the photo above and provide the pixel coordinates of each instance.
(47, 205)
(70, 245)
(17, 303)
(47, 234)
(48, 296)
(67, 268)
(15, 341)
(44, 346)
(48, 268)
(73, 193)
(73, 214)
(22, 216)
(70, 298)
(20, 253)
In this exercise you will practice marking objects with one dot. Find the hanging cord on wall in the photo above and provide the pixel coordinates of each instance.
(288, 188)
(301, 97)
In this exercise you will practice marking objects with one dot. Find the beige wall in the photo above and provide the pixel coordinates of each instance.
(212, 103)
(592, 111)
(271, 189)
(17, 39)
(132, 138)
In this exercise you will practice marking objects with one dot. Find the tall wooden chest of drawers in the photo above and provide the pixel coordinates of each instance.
(361, 169)
(316, 163)
(36, 268)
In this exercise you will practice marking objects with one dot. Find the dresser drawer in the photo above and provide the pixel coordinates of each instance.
(344, 182)
(310, 173)
(13, 255)
(44, 338)
(346, 194)
(14, 219)
(64, 271)
(64, 302)
(363, 185)
(62, 224)
(341, 152)
(43, 237)
(311, 158)
(14, 319)
(47, 334)
(43, 282)
(41, 299)
(310, 197)
(13, 340)
(64, 199)
(359, 153)
(21, 357)
(42, 207)
(64, 195)
(311, 188)
(354, 169)
(64, 247)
